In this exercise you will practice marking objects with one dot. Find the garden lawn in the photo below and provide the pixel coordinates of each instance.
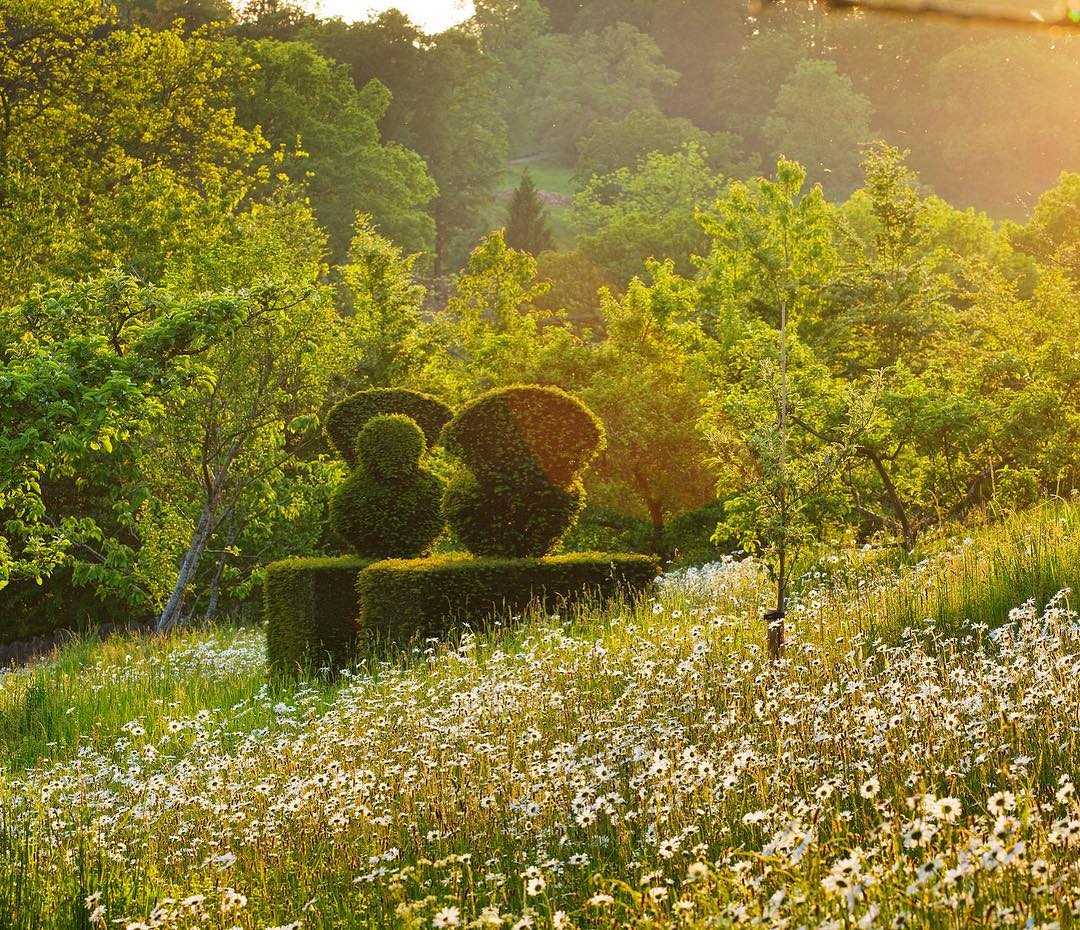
(638, 766)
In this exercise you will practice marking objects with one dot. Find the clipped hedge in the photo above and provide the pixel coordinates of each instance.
(311, 613)
(405, 600)
(346, 419)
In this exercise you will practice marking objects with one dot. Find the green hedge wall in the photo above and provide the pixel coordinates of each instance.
(311, 613)
(408, 599)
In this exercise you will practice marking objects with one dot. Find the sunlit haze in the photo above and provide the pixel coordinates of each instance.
(430, 14)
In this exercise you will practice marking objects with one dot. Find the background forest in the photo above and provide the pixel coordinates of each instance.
(218, 221)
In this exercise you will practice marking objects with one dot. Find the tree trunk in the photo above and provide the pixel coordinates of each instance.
(171, 614)
(774, 619)
(893, 494)
(215, 584)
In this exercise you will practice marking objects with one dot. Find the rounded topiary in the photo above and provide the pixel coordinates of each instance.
(346, 419)
(389, 507)
(391, 446)
(524, 450)
(490, 522)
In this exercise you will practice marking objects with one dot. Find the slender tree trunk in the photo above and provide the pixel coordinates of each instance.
(189, 565)
(893, 494)
(215, 584)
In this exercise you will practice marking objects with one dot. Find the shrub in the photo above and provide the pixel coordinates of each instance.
(523, 449)
(389, 506)
(311, 613)
(405, 600)
(346, 419)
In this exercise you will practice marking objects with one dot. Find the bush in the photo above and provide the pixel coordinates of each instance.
(490, 522)
(524, 450)
(311, 613)
(406, 600)
(389, 507)
(346, 419)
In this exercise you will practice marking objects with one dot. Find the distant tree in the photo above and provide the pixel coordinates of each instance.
(445, 106)
(326, 137)
(1029, 129)
(1053, 233)
(820, 120)
(630, 215)
(614, 144)
(527, 225)
(272, 19)
(590, 76)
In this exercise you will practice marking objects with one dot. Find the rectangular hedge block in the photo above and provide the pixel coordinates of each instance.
(311, 613)
(407, 599)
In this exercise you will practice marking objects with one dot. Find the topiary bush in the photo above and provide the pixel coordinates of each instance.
(346, 419)
(524, 450)
(389, 506)
(406, 600)
(311, 613)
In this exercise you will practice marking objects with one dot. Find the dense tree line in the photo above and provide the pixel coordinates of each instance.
(216, 223)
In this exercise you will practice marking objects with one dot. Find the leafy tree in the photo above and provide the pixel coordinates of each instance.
(630, 215)
(646, 383)
(527, 226)
(624, 143)
(490, 334)
(820, 120)
(144, 164)
(445, 107)
(591, 76)
(384, 302)
(328, 132)
(1052, 234)
(89, 370)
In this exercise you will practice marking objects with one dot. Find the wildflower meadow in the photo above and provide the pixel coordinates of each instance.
(640, 765)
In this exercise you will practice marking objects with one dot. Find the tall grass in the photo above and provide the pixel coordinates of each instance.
(976, 575)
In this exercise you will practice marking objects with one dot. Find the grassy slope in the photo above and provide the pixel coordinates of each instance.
(649, 744)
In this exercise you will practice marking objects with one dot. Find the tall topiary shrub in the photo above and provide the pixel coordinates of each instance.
(389, 507)
(346, 419)
(524, 450)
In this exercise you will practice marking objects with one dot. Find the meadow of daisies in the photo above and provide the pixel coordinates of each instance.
(911, 762)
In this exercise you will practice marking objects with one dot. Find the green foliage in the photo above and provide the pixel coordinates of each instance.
(524, 450)
(384, 300)
(144, 166)
(645, 212)
(311, 613)
(325, 132)
(527, 226)
(347, 418)
(626, 142)
(1053, 232)
(647, 383)
(490, 332)
(408, 601)
(389, 505)
(390, 446)
(820, 120)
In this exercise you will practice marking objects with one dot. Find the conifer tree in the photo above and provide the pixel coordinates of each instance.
(527, 227)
